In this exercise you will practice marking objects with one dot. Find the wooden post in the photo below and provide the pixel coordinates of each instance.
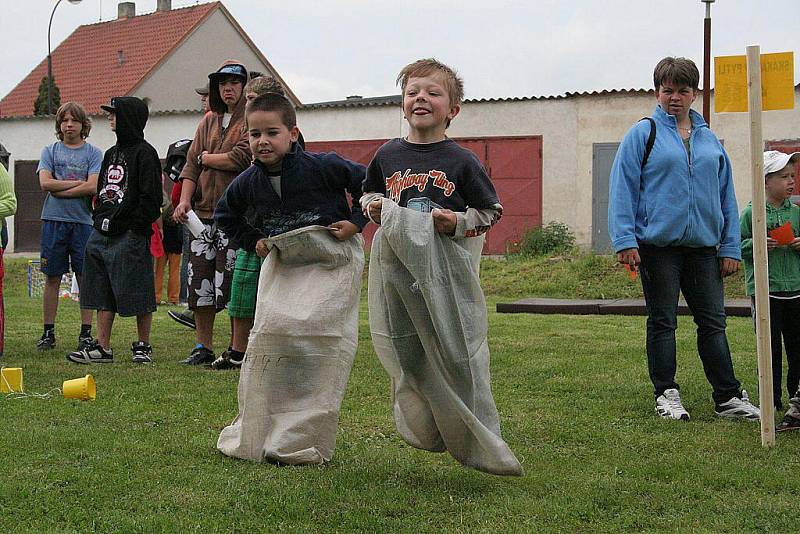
(760, 260)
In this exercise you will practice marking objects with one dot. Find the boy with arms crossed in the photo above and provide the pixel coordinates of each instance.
(218, 153)
(68, 173)
(119, 267)
(427, 312)
(291, 207)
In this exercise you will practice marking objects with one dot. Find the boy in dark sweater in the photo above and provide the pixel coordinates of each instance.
(118, 267)
(427, 312)
(287, 184)
(305, 331)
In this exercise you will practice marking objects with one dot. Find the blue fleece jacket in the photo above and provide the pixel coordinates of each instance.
(674, 200)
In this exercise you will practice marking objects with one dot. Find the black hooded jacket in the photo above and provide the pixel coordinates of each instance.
(129, 187)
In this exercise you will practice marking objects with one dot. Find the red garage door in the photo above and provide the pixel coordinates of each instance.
(513, 163)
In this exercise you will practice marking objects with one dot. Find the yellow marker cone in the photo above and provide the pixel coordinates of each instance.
(80, 388)
(11, 380)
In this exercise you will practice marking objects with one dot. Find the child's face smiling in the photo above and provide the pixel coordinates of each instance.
(426, 106)
(270, 138)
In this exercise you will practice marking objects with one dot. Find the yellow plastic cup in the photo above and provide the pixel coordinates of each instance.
(11, 380)
(80, 388)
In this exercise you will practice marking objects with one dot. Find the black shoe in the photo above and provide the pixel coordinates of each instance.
(142, 352)
(226, 362)
(185, 317)
(788, 423)
(47, 341)
(91, 354)
(199, 356)
(84, 340)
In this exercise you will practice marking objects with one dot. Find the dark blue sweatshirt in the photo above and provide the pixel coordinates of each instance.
(310, 182)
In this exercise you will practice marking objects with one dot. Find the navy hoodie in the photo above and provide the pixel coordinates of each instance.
(129, 187)
(310, 182)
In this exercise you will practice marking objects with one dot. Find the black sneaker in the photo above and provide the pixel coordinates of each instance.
(142, 352)
(47, 341)
(91, 354)
(199, 356)
(84, 340)
(226, 362)
(788, 423)
(185, 317)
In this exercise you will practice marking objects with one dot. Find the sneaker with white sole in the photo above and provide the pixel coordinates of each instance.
(668, 405)
(93, 353)
(226, 362)
(142, 352)
(737, 408)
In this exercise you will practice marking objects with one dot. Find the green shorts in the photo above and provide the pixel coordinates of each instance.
(244, 286)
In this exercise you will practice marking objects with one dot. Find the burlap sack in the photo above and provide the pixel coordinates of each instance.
(300, 351)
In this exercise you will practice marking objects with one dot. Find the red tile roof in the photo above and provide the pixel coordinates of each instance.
(86, 66)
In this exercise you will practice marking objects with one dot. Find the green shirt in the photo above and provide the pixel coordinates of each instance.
(784, 262)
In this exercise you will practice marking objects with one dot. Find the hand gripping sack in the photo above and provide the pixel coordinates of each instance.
(300, 351)
(429, 326)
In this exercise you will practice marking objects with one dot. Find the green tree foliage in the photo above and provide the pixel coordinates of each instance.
(40, 104)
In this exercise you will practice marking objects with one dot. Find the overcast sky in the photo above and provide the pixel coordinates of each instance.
(327, 50)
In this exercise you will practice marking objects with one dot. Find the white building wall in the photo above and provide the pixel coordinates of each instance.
(350, 124)
(171, 87)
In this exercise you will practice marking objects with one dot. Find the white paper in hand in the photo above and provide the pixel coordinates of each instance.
(196, 227)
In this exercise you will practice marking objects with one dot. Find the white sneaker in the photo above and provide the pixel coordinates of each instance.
(668, 405)
(737, 408)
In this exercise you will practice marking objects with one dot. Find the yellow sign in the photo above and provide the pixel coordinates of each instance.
(777, 82)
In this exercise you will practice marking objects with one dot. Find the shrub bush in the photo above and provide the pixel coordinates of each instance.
(552, 238)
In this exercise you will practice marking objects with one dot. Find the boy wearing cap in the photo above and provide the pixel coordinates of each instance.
(218, 153)
(118, 267)
(784, 271)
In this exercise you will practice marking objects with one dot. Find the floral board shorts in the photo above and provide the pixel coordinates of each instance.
(210, 268)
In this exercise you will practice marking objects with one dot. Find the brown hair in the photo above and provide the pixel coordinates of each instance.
(264, 84)
(425, 67)
(274, 102)
(78, 113)
(678, 70)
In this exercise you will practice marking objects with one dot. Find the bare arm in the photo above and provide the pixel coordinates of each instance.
(187, 192)
(48, 183)
(83, 189)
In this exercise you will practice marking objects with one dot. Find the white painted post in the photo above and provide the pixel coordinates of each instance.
(760, 259)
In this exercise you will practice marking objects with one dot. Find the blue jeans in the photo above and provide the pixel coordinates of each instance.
(666, 271)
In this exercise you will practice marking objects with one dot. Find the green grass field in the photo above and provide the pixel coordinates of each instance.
(573, 394)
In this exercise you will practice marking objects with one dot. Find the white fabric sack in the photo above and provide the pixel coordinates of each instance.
(429, 325)
(300, 351)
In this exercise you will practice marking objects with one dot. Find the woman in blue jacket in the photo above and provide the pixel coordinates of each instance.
(673, 213)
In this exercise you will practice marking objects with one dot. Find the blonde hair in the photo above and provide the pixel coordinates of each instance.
(425, 67)
(78, 113)
(264, 84)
